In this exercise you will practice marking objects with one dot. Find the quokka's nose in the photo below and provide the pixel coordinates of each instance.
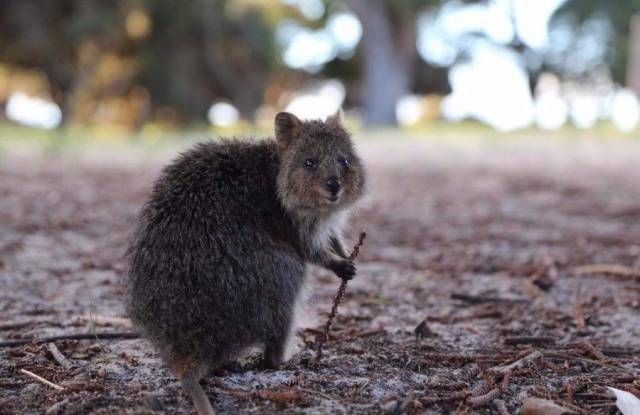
(333, 185)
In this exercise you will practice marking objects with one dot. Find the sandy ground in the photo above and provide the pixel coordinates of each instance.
(479, 240)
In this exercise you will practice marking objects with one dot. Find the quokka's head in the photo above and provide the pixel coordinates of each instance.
(319, 170)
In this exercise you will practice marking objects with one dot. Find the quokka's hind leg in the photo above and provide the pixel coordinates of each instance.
(190, 373)
(276, 345)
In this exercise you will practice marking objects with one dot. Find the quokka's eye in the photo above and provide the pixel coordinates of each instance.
(344, 161)
(311, 164)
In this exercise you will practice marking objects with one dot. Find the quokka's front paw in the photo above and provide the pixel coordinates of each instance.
(344, 269)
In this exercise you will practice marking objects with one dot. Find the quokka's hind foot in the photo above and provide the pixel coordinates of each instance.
(276, 346)
(190, 373)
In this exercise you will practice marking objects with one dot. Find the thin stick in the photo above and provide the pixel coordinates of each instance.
(338, 298)
(501, 407)
(55, 352)
(481, 400)
(612, 269)
(95, 319)
(103, 320)
(555, 355)
(505, 369)
(480, 299)
(41, 379)
(12, 325)
(578, 312)
(80, 336)
(535, 340)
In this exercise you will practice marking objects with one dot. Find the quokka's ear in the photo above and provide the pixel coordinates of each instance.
(287, 128)
(336, 119)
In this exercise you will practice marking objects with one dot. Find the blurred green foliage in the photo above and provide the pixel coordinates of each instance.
(129, 63)
(618, 14)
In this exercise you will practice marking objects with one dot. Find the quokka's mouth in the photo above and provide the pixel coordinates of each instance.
(330, 198)
(333, 198)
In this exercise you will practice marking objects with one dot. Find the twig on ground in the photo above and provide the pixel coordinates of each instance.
(479, 299)
(287, 395)
(501, 407)
(56, 407)
(578, 312)
(366, 333)
(612, 269)
(338, 298)
(505, 380)
(97, 320)
(504, 369)
(534, 405)
(103, 320)
(482, 388)
(41, 379)
(327, 397)
(235, 392)
(592, 350)
(80, 336)
(616, 351)
(481, 400)
(12, 325)
(432, 400)
(535, 340)
(55, 352)
(555, 355)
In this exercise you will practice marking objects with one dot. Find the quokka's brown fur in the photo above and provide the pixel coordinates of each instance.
(218, 259)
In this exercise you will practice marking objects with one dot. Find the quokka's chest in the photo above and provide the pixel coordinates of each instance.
(325, 229)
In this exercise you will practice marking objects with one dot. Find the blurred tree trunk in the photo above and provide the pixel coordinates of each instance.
(235, 66)
(633, 64)
(388, 48)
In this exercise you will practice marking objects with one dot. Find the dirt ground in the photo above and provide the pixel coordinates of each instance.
(479, 253)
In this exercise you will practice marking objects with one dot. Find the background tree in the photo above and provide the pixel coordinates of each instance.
(618, 16)
(176, 55)
(389, 54)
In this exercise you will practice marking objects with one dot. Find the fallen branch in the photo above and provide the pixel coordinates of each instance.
(55, 352)
(338, 298)
(79, 336)
(612, 269)
(41, 379)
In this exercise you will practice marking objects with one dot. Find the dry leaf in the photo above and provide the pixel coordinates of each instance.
(626, 402)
